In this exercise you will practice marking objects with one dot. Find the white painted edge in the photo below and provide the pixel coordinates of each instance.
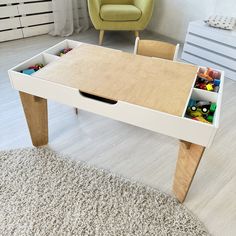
(176, 52)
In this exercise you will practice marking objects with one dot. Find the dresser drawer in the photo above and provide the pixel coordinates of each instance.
(211, 45)
(219, 35)
(210, 55)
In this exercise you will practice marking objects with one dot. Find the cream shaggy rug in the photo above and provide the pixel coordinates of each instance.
(42, 193)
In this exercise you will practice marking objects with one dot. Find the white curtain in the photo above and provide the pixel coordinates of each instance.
(70, 16)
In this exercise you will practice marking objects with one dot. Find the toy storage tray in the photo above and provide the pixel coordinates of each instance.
(208, 96)
(178, 126)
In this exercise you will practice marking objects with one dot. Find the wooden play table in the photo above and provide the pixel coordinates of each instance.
(147, 92)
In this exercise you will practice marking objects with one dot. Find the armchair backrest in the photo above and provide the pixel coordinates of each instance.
(117, 1)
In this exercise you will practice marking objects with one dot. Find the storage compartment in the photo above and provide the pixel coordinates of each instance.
(41, 59)
(208, 79)
(202, 107)
(16, 74)
(62, 48)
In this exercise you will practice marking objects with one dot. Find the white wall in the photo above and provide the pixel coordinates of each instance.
(171, 17)
(225, 7)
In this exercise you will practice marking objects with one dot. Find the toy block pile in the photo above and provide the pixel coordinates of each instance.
(31, 69)
(208, 79)
(201, 111)
(64, 51)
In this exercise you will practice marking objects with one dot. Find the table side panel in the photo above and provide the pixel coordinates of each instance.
(174, 126)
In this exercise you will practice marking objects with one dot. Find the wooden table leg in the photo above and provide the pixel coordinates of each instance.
(186, 167)
(36, 114)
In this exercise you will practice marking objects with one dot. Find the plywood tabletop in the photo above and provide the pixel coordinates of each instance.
(149, 82)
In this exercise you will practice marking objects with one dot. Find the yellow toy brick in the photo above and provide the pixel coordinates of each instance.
(209, 87)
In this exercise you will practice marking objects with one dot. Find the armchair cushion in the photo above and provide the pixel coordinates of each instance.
(117, 12)
(116, 2)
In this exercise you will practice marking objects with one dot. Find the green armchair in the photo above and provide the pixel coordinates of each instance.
(132, 15)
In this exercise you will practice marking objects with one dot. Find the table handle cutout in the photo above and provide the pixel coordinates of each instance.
(97, 98)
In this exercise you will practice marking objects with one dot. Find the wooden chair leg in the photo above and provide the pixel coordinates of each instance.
(186, 167)
(76, 110)
(36, 114)
(136, 33)
(101, 35)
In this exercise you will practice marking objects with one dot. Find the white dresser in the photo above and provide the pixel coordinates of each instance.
(24, 18)
(207, 46)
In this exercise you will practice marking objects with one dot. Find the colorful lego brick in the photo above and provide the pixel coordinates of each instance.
(216, 82)
(39, 66)
(202, 86)
(200, 118)
(209, 87)
(64, 51)
(216, 89)
(210, 118)
(191, 103)
(216, 75)
(213, 108)
(208, 79)
(28, 71)
(203, 103)
(193, 111)
(31, 69)
(201, 110)
(206, 75)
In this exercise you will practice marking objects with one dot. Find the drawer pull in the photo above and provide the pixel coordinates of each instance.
(97, 98)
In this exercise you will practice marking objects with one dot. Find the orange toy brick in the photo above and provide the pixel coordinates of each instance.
(206, 74)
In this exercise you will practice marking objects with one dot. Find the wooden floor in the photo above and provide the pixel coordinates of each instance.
(124, 149)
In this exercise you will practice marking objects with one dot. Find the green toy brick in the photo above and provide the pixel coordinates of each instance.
(213, 107)
(210, 118)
